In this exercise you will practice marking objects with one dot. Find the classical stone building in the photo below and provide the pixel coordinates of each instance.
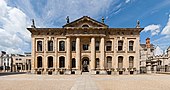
(85, 45)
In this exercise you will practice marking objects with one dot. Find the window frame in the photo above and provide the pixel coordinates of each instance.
(131, 46)
(37, 46)
(61, 46)
(120, 47)
(49, 47)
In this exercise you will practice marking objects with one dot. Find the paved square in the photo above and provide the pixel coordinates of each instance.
(85, 82)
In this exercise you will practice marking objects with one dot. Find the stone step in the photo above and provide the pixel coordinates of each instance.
(85, 73)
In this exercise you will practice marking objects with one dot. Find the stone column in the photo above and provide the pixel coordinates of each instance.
(68, 56)
(33, 57)
(155, 69)
(78, 53)
(45, 58)
(149, 69)
(56, 58)
(93, 54)
(102, 54)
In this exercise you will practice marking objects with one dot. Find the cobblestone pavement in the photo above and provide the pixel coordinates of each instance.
(85, 82)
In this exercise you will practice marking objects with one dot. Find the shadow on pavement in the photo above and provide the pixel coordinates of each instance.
(11, 73)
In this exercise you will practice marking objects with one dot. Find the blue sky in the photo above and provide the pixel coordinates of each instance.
(16, 16)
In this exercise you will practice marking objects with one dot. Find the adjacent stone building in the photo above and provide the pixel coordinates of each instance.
(21, 63)
(146, 51)
(5, 62)
(85, 45)
(153, 59)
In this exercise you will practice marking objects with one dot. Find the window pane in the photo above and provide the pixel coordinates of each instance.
(50, 45)
(131, 60)
(39, 62)
(50, 62)
(39, 45)
(131, 45)
(85, 46)
(120, 62)
(97, 45)
(61, 46)
(73, 63)
(109, 62)
(120, 45)
(61, 62)
(97, 63)
(73, 45)
(108, 46)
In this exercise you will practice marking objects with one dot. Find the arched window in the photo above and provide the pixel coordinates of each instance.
(50, 45)
(61, 62)
(61, 46)
(108, 45)
(39, 45)
(97, 45)
(73, 63)
(39, 62)
(109, 62)
(50, 62)
(120, 62)
(120, 45)
(97, 63)
(131, 45)
(131, 61)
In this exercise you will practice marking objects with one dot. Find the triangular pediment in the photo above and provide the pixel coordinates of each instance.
(86, 21)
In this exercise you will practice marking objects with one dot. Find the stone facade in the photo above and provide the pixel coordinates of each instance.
(146, 51)
(21, 63)
(151, 61)
(85, 45)
(5, 62)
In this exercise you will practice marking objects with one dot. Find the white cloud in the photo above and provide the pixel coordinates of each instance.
(13, 31)
(166, 29)
(154, 29)
(53, 13)
(158, 51)
(14, 20)
(127, 1)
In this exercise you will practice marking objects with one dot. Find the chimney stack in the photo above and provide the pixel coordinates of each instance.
(148, 45)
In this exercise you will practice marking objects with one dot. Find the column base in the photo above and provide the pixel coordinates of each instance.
(149, 72)
(126, 73)
(102, 72)
(92, 72)
(78, 72)
(33, 72)
(67, 72)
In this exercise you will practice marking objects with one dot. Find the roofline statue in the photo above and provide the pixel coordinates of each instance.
(33, 24)
(68, 21)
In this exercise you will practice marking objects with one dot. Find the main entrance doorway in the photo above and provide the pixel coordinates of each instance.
(85, 64)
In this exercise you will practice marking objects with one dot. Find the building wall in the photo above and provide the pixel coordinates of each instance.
(21, 63)
(88, 35)
(114, 53)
